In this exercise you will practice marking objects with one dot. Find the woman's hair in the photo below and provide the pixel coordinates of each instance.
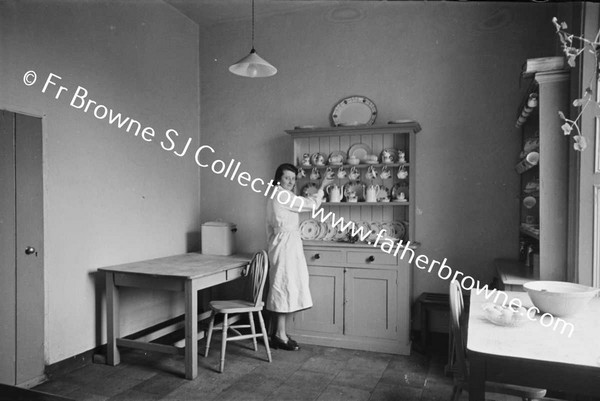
(281, 169)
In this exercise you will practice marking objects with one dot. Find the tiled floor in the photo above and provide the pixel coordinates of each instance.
(313, 373)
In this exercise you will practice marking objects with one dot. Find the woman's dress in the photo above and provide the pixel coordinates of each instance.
(288, 273)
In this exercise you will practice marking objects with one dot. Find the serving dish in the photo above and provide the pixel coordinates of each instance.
(354, 110)
(559, 298)
(359, 151)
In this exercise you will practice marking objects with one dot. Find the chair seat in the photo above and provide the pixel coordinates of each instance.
(234, 306)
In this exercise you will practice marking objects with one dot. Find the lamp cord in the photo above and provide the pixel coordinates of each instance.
(252, 24)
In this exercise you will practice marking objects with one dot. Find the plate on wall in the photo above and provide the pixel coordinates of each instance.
(354, 110)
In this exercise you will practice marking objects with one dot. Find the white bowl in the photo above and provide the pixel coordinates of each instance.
(559, 298)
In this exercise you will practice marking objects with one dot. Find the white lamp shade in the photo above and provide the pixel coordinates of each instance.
(253, 66)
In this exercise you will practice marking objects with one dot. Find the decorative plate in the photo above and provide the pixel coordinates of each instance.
(340, 235)
(337, 158)
(363, 235)
(360, 151)
(309, 229)
(354, 110)
(389, 156)
(331, 232)
(310, 189)
(375, 229)
(399, 230)
(358, 187)
(389, 230)
(318, 159)
(322, 231)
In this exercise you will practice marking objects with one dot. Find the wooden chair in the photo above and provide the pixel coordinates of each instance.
(256, 277)
(461, 366)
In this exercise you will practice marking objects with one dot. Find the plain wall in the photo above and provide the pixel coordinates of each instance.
(452, 66)
(109, 197)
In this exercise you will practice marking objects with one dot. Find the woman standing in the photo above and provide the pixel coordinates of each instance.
(288, 273)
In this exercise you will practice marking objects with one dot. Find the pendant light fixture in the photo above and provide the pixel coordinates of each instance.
(253, 65)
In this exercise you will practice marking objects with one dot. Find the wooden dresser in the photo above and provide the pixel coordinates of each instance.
(361, 294)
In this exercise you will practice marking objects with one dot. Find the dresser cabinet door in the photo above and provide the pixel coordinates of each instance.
(327, 291)
(371, 303)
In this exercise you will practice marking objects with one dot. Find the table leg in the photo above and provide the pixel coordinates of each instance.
(191, 330)
(112, 321)
(476, 378)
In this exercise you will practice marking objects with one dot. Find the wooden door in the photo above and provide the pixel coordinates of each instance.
(21, 250)
(327, 291)
(371, 303)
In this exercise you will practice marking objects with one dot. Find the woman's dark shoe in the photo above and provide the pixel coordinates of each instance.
(289, 345)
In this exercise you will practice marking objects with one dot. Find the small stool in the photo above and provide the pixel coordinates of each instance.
(429, 301)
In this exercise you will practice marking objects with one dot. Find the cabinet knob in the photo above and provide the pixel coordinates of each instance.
(317, 256)
(371, 258)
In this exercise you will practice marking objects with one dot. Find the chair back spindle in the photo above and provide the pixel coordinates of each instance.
(257, 276)
(456, 311)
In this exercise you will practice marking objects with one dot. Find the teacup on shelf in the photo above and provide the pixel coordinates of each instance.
(385, 173)
(315, 174)
(306, 159)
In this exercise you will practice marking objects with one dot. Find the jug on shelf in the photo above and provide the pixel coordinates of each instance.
(371, 193)
(334, 192)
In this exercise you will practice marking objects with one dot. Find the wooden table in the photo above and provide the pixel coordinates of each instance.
(533, 355)
(186, 273)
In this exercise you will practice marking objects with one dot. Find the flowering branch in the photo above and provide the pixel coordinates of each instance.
(573, 46)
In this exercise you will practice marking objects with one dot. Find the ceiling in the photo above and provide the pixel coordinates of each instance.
(211, 12)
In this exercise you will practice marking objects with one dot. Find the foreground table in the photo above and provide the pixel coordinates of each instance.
(533, 355)
(186, 273)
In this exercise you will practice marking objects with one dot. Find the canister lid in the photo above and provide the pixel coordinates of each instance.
(218, 224)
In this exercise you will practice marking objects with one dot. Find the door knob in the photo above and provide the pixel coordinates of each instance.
(29, 250)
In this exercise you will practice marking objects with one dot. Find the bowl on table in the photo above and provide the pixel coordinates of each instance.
(559, 298)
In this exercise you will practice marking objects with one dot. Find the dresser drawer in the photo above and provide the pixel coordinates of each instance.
(374, 257)
(324, 257)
